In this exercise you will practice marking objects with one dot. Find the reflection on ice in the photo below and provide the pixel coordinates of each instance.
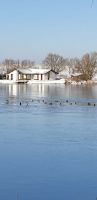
(13, 90)
(48, 142)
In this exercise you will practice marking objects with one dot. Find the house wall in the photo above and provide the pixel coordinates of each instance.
(48, 76)
(40, 77)
(45, 77)
(52, 75)
(24, 77)
(13, 75)
(35, 77)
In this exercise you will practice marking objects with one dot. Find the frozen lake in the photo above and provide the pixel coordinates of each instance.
(48, 142)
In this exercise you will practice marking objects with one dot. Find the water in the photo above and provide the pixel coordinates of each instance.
(48, 147)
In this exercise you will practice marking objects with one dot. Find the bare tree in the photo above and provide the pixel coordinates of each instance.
(55, 62)
(10, 65)
(88, 65)
(74, 63)
(27, 63)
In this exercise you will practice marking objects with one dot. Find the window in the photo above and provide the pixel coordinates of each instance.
(11, 76)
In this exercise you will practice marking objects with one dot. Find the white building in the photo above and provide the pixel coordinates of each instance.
(31, 74)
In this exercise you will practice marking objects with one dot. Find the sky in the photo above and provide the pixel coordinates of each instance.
(30, 29)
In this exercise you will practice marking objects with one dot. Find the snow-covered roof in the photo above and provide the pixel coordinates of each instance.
(34, 71)
(24, 71)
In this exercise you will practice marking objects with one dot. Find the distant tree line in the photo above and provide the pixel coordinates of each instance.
(9, 64)
(86, 65)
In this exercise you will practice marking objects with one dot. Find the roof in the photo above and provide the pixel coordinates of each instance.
(34, 71)
(24, 71)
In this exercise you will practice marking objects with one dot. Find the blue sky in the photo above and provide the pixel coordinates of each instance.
(33, 28)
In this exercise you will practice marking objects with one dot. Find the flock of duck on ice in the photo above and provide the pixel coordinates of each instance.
(53, 102)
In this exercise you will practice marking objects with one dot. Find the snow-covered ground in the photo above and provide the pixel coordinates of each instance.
(7, 81)
(34, 81)
(46, 81)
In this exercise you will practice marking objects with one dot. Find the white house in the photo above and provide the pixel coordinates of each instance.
(31, 74)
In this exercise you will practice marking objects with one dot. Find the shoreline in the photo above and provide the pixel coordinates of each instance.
(61, 81)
